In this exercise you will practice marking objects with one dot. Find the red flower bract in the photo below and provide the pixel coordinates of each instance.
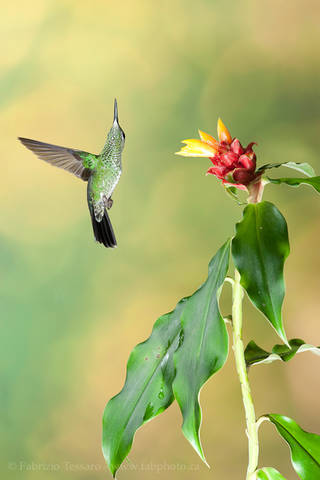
(234, 164)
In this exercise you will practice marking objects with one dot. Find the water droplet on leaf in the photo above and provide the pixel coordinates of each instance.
(161, 394)
(149, 412)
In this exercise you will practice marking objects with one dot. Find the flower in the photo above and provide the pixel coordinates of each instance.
(232, 163)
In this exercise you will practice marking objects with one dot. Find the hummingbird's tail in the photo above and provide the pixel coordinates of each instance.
(103, 231)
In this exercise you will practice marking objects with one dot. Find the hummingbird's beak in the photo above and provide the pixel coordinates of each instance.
(115, 115)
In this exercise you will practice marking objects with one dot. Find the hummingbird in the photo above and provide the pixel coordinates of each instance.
(101, 172)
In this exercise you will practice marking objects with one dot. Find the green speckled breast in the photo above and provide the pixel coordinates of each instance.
(107, 172)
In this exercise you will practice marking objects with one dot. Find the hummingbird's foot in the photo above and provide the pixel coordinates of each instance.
(108, 203)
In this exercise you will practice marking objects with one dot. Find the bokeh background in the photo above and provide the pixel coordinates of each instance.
(71, 311)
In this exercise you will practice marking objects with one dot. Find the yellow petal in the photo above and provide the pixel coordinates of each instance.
(223, 132)
(205, 137)
(196, 148)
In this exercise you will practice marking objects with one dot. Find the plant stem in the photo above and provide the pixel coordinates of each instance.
(252, 430)
(256, 190)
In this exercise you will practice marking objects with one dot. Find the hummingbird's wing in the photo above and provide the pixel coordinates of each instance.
(71, 160)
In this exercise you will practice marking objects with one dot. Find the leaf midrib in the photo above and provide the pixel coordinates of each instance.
(297, 441)
(265, 276)
(208, 303)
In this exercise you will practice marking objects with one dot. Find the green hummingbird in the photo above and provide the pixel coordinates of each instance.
(102, 172)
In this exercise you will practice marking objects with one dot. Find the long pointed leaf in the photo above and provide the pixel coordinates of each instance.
(204, 348)
(259, 250)
(300, 167)
(147, 390)
(269, 473)
(255, 355)
(296, 182)
(304, 446)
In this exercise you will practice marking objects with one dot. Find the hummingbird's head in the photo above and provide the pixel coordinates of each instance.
(116, 135)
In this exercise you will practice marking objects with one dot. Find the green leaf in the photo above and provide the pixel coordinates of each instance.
(259, 250)
(256, 355)
(296, 182)
(304, 446)
(150, 372)
(269, 473)
(147, 390)
(300, 167)
(204, 348)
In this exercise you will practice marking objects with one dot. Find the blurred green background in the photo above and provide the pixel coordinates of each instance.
(72, 310)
